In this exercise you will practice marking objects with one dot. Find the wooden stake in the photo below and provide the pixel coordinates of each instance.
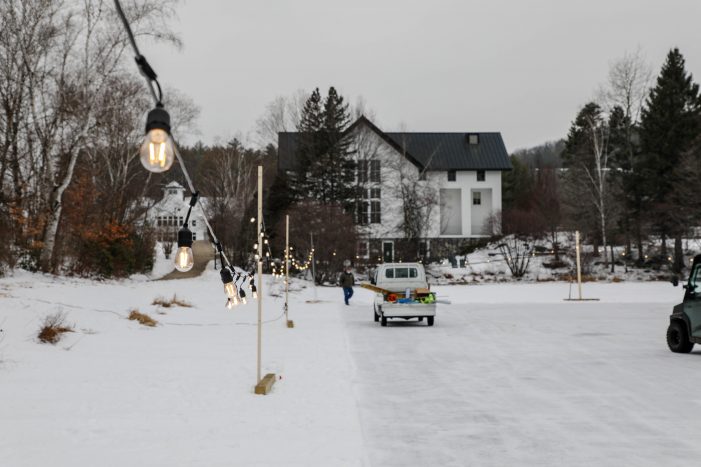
(579, 267)
(260, 269)
(290, 324)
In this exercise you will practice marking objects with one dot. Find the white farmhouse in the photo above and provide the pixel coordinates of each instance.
(169, 213)
(455, 177)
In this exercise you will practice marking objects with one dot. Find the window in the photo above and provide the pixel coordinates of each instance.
(363, 249)
(362, 213)
(473, 138)
(194, 236)
(362, 171)
(476, 198)
(194, 223)
(375, 171)
(375, 212)
(375, 193)
(451, 175)
(480, 175)
(159, 221)
(389, 273)
(364, 194)
(695, 280)
(423, 248)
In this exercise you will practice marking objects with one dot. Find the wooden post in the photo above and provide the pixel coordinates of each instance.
(290, 324)
(579, 268)
(263, 385)
(311, 235)
(260, 268)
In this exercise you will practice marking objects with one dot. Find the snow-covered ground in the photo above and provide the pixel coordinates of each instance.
(509, 375)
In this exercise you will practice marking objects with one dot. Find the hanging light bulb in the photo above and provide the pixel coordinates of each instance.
(242, 294)
(228, 279)
(157, 152)
(184, 260)
(229, 304)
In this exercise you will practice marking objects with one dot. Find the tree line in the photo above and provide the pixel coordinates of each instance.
(625, 172)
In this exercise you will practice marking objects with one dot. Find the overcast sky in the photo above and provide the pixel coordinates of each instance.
(523, 68)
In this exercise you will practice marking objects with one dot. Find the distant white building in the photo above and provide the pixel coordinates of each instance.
(169, 213)
(462, 170)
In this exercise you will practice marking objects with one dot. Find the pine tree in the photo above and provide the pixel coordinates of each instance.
(325, 164)
(308, 144)
(669, 124)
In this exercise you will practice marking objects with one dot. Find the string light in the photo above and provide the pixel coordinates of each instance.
(157, 154)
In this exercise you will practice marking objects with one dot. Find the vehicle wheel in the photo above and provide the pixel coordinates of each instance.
(383, 321)
(374, 312)
(429, 320)
(421, 318)
(678, 338)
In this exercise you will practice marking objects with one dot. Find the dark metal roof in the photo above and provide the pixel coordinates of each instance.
(435, 151)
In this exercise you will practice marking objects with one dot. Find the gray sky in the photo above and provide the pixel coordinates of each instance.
(523, 68)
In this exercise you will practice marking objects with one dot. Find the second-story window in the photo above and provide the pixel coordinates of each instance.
(362, 171)
(375, 217)
(480, 175)
(375, 171)
(451, 175)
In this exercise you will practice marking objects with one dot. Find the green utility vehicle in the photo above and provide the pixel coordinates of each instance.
(685, 322)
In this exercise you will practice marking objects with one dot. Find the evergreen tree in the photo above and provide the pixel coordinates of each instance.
(325, 163)
(308, 143)
(587, 186)
(669, 124)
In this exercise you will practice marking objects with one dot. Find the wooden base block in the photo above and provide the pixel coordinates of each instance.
(290, 323)
(266, 384)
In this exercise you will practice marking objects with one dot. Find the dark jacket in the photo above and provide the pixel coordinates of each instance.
(346, 279)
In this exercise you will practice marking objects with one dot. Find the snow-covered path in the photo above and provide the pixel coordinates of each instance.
(510, 375)
(534, 382)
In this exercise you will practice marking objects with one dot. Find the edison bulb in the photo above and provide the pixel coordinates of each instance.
(157, 151)
(184, 260)
(230, 289)
(229, 304)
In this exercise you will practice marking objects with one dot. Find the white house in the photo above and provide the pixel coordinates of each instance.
(169, 213)
(456, 175)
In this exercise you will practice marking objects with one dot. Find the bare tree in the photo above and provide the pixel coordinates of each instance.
(628, 84)
(281, 114)
(67, 55)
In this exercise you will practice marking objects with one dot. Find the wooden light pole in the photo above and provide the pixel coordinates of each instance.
(290, 324)
(264, 385)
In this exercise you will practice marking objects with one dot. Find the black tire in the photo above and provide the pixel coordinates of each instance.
(429, 320)
(421, 318)
(678, 338)
(383, 321)
(374, 312)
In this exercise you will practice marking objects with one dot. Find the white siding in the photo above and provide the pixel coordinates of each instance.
(371, 146)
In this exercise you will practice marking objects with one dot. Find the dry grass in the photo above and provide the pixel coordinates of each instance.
(52, 328)
(167, 303)
(616, 279)
(142, 318)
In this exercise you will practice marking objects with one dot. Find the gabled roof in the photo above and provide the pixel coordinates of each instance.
(433, 151)
(174, 184)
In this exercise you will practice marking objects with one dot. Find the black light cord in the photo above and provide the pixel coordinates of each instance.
(145, 68)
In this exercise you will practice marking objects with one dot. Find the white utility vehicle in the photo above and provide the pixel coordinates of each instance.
(401, 291)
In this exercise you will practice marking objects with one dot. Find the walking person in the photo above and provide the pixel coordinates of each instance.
(346, 281)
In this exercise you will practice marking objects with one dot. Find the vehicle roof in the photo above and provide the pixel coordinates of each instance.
(385, 265)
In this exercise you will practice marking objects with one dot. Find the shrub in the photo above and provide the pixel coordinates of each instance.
(115, 250)
(167, 303)
(52, 328)
(142, 318)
